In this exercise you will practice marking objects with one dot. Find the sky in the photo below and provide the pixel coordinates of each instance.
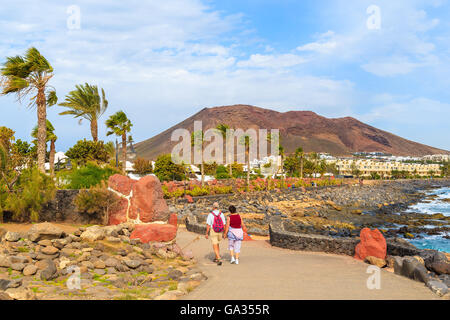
(383, 62)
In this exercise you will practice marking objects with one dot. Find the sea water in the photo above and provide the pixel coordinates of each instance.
(436, 242)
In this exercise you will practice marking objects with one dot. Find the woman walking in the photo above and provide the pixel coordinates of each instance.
(234, 230)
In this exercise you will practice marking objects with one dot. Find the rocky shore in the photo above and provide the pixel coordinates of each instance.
(331, 211)
(41, 264)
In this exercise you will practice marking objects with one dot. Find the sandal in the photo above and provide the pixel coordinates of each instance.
(219, 262)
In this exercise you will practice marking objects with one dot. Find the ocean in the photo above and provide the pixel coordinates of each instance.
(436, 205)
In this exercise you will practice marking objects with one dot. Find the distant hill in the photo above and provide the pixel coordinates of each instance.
(340, 136)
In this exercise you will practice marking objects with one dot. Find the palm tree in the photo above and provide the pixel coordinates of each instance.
(277, 139)
(120, 125)
(30, 74)
(195, 136)
(299, 153)
(85, 103)
(246, 140)
(222, 129)
(52, 138)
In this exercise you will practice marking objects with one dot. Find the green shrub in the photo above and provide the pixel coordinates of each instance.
(86, 150)
(198, 191)
(97, 200)
(167, 170)
(222, 172)
(85, 177)
(142, 166)
(32, 191)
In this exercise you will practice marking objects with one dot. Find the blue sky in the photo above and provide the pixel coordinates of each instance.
(163, 61)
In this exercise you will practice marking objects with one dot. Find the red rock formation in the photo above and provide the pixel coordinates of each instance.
(121, 184)
(154, 232)
(142, 202)
(372, 244)
(147, 202)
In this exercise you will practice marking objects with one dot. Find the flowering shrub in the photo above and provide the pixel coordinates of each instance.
(176, 189)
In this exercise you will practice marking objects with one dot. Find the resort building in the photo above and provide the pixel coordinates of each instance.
(366, 167)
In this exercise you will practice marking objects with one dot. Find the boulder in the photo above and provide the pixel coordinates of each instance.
(413, 269)
(441, 267)
(49, 272)
(133, 264)
(12, 236)
(4, 284)
(154, 232)
(121, 184)
(5, 261)
(45, 230)
(173, 219)
(17, 266)
(372, 244)
(93, 233)
(437, 287)
(118, 214)
(49, 250)
(147, 203)
(380, 263)
(430, 256)
(29, 270)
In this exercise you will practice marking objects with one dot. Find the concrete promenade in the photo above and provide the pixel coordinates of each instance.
(269, 273)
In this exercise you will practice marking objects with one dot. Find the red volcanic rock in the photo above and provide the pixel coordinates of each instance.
(247, 237)
(121, 184)
(118, 214)
(154, 232)
(173, 219)
(147, 202)
(372, 244)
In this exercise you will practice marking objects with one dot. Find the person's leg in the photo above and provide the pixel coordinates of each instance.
(216, 251)
(231, 248)
(237, 250)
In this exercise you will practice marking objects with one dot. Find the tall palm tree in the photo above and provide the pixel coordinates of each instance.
(85, 103)
(30, 74)
(247, 141)
(195, 136)
(51, 136)
(222, 129)
(277, 139)
(300, 154)
(120, 125)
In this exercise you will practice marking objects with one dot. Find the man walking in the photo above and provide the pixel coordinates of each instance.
(215, 225)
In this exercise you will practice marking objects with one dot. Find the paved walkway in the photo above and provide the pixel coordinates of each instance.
(269, 273)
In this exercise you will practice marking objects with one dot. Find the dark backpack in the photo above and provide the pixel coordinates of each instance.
(218, 222)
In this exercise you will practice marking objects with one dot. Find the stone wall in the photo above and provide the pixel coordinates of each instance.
(193, 225)
(279, 237)
(62, 209)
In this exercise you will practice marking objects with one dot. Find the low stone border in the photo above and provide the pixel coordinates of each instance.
(309, 242)
(279, 237)
(192, 225)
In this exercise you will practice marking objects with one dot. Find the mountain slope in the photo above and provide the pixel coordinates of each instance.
(340, 136)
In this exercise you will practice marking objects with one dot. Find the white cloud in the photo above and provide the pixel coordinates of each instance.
(272, 61)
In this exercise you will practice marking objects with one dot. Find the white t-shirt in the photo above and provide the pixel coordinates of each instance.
(210, 218)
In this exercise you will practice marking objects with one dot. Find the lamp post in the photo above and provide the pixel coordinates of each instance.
(131, 153)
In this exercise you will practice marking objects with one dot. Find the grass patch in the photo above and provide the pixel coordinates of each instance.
(23, 249)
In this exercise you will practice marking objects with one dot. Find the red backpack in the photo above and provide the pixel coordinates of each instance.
(218, 222)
